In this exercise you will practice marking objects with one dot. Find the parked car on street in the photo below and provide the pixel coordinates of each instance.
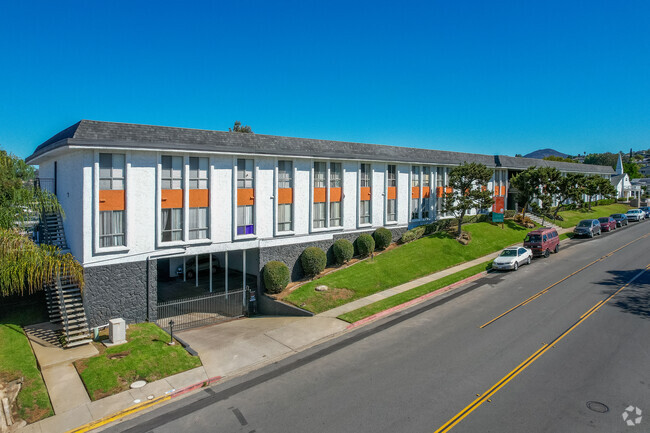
(646, 209)
(607, 224)
(635, 215)
(204, 265)
(589, 228)
(512, 258)
(542, 241)
(620, 218)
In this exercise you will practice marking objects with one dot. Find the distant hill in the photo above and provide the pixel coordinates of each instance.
(543, 153)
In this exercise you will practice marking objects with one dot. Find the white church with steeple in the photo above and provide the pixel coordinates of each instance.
(621, 182)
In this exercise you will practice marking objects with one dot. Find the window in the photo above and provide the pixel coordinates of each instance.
(172, 172)
(391, 175)
(245, 176)
(319, 215)
(365, 175)
(198, 173)
(172, 225)
(335, 214)
(364, 212)
(391, 214)
(335, 175)
(284, 217)
(415, 211)
(440, 181)
(320, 174)
(415, 176)
(111, 171)
(425, 208)
(111, 228)
(285, 169)
(245, 220)
(198, 223)
(426, 176)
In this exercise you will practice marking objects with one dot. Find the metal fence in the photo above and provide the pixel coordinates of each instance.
(201, 310)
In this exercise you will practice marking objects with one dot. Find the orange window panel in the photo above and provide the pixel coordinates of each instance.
(439, 192)
(199, 198)
(112, 200)
(483, 188)
(426, 192)
(285, 195)
(448, 190)
(320, 195)
(415, 192)
(496, 190)
(364, 193)
(503, 190)
(335, 194)
(245, 197)
(392, 193)
(171, 198)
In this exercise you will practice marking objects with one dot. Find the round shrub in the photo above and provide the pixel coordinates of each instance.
(276, 276)
(365, 244)
(313, 261)
(343, 251)
(413, 234)
(383, 237)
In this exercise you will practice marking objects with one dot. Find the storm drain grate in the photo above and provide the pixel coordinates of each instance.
(597, 406)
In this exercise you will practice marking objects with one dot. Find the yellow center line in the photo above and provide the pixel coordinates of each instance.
(540, 293)
(521, 367)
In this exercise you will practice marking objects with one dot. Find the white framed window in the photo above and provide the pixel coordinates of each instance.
(198, 172)
(285, 171)
(426, 176)
(245, 173)
(111, 228)
(391, 210)
(335, 175)
(319, 217)
(425, 208)
(364, 175)
(284, 217)
(320, 175)
(111, 171)
(335, 214)
(415, 210)
(364, 212)
(245, 220)
(172, 225)
(415, 176)
(199, 217)
(171, 172)
(440, 186)
(391, 176)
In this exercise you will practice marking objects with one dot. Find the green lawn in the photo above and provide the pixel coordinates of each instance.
(146, 356)
(393, 301)
(573, 217)
(17, 360)
(404, 263)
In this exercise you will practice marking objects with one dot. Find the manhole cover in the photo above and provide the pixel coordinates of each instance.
(138, 384)
(597, 406)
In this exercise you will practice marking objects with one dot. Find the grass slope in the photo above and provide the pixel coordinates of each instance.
(573, 217)
(146, 356)
(405, 263)
(395, 300)
(17, 360)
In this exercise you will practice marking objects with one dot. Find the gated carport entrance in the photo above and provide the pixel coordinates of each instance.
(206, 288)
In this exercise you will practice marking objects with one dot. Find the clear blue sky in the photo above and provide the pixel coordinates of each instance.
(490, 77)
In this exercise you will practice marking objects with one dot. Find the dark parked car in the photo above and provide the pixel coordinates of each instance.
(589, 228)
(620, 218)
(542, 241)
(607, 224)
(646, 209)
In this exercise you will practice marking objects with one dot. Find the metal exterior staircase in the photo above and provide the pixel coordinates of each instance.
(65, 306)
(63, 295)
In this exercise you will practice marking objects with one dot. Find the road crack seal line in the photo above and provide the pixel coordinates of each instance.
(540, 293)
(521, 367)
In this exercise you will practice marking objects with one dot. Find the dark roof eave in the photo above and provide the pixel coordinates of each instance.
(43, 150)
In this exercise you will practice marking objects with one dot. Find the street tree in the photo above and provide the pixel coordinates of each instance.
(24, 266)
(567, 189)
(468, 183)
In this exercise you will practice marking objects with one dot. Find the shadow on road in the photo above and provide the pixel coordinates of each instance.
(635, 298)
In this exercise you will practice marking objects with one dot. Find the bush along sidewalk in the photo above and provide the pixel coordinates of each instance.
(412, 260)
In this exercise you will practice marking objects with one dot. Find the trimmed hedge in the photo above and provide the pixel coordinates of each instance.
(276, 276)
(343, 251)
(365, 245)
(413, 234)
(313, 261)
(383, 237)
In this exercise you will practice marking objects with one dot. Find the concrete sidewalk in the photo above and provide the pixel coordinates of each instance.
(226, 350)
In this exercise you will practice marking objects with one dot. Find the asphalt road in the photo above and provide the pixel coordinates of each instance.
(533, 369)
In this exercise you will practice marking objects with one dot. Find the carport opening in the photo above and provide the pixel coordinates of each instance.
(195, 275)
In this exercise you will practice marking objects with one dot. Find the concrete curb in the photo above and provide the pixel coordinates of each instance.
(144, 405)
(415, 301)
